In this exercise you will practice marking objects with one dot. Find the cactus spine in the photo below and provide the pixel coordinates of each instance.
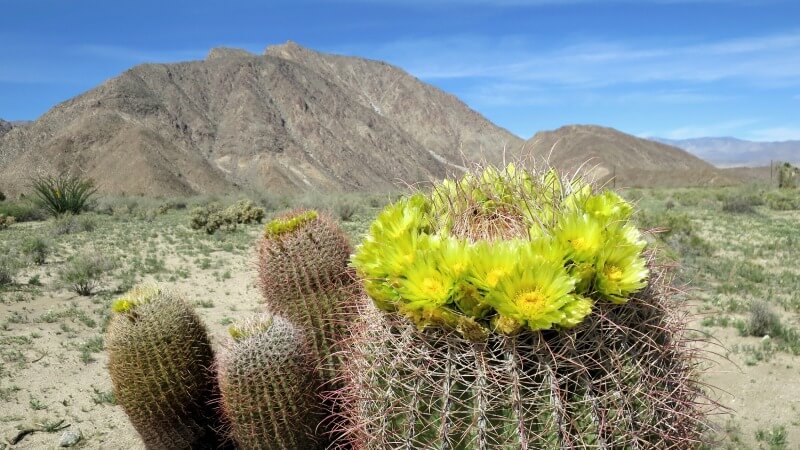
(512, 310)
(160, 361)
(304, 277)
(268, 387)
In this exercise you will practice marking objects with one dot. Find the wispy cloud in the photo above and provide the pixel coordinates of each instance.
(134, 55)
(506, 3)
(765, 60)
(786, 133)
(727, 128)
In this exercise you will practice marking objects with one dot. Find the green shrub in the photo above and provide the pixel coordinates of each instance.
(8, 269)
(68, 224)
(346, 209)
(37, 249)
(763, 320)
(6, 221)
(63, 194)
(783, 200)
(739, 205)
(82, 273)
(212, 217)
(23, 211)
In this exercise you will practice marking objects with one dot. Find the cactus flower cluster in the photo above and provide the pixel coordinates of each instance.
(502, 251)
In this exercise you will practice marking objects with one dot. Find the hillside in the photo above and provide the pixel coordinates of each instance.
(610, 154)
(730, 152)
(290, 120)
(5, 127)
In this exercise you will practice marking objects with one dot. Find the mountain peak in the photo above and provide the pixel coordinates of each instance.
(303, 120)
(228, 52)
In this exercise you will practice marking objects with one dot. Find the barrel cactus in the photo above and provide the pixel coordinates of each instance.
(303, 274)
(161, 361)
(516, 310)
(268, 389)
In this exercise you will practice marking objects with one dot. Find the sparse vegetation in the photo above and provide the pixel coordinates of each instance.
(37, 249)
(62, 194)
(6, 221)
(82, 273)
(783, 200)
(213, 217)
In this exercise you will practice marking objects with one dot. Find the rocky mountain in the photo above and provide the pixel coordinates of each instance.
(729, 152)
(5, 127)
(608, 154)
(289, 120)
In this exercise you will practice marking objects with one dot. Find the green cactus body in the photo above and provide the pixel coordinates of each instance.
(516, 311)
(160, 360)
(304, 276)
(267, 386)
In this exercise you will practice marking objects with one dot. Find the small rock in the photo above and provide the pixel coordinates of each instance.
(765, 338)
(70, 438)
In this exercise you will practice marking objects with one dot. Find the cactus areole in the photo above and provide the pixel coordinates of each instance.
(502, 251)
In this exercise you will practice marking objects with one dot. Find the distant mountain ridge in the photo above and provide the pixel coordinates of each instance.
(290, 120)
(294, 120)
(729, 152)
(622, 159)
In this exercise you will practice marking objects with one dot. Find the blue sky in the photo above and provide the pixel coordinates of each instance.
(669, 68)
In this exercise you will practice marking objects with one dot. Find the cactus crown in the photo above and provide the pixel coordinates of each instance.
(282, 225)
(503, 250)
(138, 295)
(252, 327)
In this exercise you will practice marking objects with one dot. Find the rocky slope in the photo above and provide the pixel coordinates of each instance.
(622, 159)
(290, 120)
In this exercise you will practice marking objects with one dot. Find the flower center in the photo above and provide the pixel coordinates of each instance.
(579, 244)
(531, 303)
(613, 273)
(434, 288)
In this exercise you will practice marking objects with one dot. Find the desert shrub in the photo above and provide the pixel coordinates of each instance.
(212, 217)
(244, 211)
(739, 205)
(6, 221)
(762, 320)
(37, 249)
(2, 196)
(8, 270)
(63, 194)
(676, 231)
(345, 210)
(69, 224)
(83, 273)
(783, 200)
(22, 211)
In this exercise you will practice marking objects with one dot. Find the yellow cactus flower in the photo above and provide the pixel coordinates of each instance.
(425, 285)
(492, 262)
(581, 234)
(608, 206)
(538, 297)
(621, 271)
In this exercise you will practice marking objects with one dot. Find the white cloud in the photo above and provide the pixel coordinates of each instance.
(727, 128)
(767, 61)
(135, 55)
(787, 133)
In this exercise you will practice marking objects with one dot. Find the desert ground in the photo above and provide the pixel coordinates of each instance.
(736, 263)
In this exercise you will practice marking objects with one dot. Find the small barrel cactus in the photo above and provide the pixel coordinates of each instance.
(267, 385)
(304, 276)
(514, 310)
(161, 361)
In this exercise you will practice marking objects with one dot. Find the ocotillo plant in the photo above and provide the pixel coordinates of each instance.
(161, 363)
(304, 276)
(268, 387)
(516, 310)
